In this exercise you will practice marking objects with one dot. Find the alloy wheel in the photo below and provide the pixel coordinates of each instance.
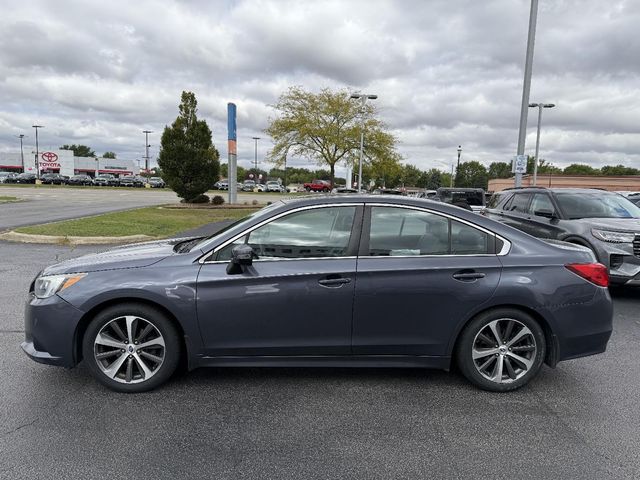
(129, 349)
(504, 350)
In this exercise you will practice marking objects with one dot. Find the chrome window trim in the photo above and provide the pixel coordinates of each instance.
(506, 244)
(203, 259)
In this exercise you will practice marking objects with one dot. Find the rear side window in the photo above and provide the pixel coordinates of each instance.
(401, 232)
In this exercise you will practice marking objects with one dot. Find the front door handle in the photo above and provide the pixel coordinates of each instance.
(334, 282)
(468, 276)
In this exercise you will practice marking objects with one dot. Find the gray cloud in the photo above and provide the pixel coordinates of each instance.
(446, 72)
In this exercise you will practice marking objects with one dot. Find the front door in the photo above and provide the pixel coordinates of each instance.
(296, 298)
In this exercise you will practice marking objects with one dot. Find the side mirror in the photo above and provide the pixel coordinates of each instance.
(545, 213)
(241, 255)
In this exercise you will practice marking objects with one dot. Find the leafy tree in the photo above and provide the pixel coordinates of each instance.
(325, 128)
(548, 168)
(619, 170)
(79, 150)
(580, 169)
(187, 157)
(109, 155)
(412, 176)
(433, 179)
(472, 175)
(241, 172)
(500, 170)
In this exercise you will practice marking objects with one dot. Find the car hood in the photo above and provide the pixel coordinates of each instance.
(129, 256)
(619, 224)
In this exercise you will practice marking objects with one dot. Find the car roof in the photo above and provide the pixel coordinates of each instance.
(555, 190)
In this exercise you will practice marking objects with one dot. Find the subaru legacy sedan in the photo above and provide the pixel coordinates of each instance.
(343, 281)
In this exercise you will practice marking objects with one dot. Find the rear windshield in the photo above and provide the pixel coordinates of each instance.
(596, 205)
(456, 196)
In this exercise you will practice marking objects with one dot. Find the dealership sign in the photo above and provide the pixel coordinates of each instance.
(49, 160)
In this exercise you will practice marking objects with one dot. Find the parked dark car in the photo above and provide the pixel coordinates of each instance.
(467, 198)
(25, 178)
(605, 222)
(131, 181)
(346, 281)
(52, 179)
(106, 180)
(80, 180)
(156, 182)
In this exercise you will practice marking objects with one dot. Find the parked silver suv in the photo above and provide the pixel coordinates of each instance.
(605, 222)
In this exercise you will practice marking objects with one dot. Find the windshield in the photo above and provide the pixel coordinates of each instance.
(472, 198)
(596, 205)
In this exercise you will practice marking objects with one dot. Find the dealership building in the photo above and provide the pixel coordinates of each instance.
(64, 163)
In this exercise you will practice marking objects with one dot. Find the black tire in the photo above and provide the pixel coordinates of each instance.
(476, 336)
(308, 189)
(160, 372)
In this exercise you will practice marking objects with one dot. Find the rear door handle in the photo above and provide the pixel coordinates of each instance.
(334, 282)
(468, 276)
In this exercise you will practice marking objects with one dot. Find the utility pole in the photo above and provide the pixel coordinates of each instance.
(37, 151)
(528, 66)
(146, 153)
(21, 136)
(363, 100)
(256, 157)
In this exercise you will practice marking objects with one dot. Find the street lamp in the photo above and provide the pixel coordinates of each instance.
(363, 100)
(255, 139)
(540, 107)
(146, 153)
(37, 151)
(21, 136)
(458, 166)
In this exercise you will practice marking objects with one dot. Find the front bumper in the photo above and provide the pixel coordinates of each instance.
(50, 328)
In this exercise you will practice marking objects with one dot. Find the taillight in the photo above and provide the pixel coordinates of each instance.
(596, 273)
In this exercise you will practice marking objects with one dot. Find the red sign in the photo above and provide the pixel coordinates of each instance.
(49, 156)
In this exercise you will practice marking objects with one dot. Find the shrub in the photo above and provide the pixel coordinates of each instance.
(200, 199)
(217, 200)
(255, 202)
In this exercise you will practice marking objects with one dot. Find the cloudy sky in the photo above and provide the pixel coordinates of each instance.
(446, 72)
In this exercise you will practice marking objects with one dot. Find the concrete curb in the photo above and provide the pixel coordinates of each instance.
(63, 240)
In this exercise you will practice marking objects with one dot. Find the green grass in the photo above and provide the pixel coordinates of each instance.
(5, 199)
(153, 221)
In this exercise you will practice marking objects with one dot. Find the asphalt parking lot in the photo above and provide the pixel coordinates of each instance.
(581, 420)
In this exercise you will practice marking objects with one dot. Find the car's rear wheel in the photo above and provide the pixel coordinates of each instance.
(131, 347)
(501, 350)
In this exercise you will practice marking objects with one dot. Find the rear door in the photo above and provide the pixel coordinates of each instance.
(420, 273)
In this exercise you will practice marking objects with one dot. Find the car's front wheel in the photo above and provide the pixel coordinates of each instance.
(131, 347)
(501, 350)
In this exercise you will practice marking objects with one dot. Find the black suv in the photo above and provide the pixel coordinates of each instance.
(52, 179)
(605, 222)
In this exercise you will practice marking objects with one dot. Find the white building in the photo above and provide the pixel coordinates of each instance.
(64, 163)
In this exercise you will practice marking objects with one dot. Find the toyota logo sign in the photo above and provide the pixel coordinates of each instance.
(49, 157)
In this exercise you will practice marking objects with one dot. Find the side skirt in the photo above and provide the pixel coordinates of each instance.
(351, 361)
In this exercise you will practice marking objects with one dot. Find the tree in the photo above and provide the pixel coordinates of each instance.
(412, 176)
(619, 170)
(79, 150)
(433, 179)
(109, 155)
(187, 157)
(472, 175)
(325, 128)
(580, 169)
(500, 170)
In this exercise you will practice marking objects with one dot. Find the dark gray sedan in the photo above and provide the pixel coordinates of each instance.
(344, 281)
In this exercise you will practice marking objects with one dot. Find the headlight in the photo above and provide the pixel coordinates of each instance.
(613, 237)
(51, 284)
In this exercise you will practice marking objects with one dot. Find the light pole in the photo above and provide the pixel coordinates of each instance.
(37, 151)
(146, 153)
(540, 107)
(21, 136)
(363, 100)
(255, 139)
(528, 66)
(458, 166)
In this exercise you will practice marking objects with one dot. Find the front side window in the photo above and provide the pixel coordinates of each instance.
(519, 203)
(400, 231)
(315, 233)
(541, 203)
